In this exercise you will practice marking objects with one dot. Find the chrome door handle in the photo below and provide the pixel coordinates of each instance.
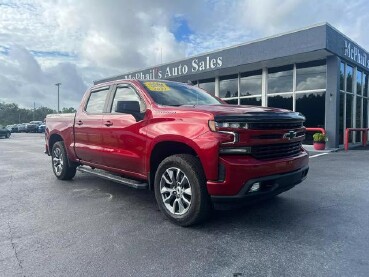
(108, 123)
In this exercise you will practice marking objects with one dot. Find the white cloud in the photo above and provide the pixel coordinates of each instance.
(23, 81)
(76, 42)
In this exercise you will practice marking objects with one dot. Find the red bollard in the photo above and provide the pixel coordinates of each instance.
(346, 138)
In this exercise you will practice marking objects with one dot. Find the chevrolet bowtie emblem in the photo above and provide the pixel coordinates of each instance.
(290, 135)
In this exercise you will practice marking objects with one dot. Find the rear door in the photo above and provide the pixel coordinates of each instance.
(88, 125)
(123, 136)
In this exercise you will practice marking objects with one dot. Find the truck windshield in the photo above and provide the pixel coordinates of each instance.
(177, 94)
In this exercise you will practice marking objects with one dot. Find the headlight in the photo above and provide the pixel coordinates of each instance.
(216, 126)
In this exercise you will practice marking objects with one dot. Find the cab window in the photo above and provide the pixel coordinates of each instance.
(96, 101)
(126, 94)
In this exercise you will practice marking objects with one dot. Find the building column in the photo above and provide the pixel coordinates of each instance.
(354, 112)
(239, 88)
(217, 86)
(332, 101)
(264, 87)
(294, 85)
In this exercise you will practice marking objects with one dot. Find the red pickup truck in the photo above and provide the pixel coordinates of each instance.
(192, 149)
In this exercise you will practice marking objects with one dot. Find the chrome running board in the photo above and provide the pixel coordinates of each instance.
(112, 177)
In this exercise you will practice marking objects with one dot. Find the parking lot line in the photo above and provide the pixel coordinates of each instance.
(317, 155)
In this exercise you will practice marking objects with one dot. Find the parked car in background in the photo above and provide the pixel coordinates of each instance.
(38, 123)
(14, 128)
(41, 128)
(31, 128)
(21, 128)
(4, 132)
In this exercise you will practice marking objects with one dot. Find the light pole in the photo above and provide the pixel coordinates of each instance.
(58, 85)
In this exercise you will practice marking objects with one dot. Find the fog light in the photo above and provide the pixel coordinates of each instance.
(255, 187)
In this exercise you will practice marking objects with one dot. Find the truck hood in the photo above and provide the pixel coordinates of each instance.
(244, 113)
(230, 109)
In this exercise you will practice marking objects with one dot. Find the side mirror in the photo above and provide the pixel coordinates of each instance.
(130, 107)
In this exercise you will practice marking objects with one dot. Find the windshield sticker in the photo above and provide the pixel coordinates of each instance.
(157, 86)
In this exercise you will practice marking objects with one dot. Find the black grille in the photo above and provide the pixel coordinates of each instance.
(274, 126)
(275, 151)
(269, 136)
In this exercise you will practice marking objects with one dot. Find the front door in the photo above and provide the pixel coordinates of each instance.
(123, 137)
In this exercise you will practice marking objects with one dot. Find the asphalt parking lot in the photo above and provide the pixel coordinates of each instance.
(93, 227)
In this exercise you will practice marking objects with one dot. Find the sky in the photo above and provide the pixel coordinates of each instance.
(76, 42)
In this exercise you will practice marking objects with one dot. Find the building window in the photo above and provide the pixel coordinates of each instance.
(228, 86)
(353, 109)
(342, 76)
(250, 83)
(359, 102)
(349, 78)
(280, 79)
(284, 101)
(252, 101)
(341, 117)
(366, 92)
(231, 101)
(365, 113)
(312, 106)
(311, 75)
(349, 108)
(359, 76)
(208, 85)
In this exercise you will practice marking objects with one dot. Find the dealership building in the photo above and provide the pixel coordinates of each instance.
(317, 71)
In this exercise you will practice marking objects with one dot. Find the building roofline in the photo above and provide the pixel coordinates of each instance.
(225, 48)
(346, 36)
(254, 41)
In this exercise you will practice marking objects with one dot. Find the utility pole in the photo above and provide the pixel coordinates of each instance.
(58, 85)
(34, 109)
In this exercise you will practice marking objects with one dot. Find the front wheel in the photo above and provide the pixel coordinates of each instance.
(60, 162)
(180, 190)
(7, 135)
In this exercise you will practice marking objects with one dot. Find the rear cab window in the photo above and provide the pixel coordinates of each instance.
(97, 100)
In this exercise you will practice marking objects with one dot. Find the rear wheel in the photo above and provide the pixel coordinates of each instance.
(60, 163)
(7, 135)
(180, 190)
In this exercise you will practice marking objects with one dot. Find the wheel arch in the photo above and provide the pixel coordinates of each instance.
(53, 139)
(164, 149)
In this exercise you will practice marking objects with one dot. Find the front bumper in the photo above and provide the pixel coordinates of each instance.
(269, 186)
(240, 171)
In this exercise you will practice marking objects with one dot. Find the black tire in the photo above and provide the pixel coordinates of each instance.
(192, 178)
(59, 161)
(7, 135)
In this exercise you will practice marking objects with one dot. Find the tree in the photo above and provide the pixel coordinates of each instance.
(68, 110)
(12, 114)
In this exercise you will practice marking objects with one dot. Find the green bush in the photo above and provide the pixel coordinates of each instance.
(319, 137)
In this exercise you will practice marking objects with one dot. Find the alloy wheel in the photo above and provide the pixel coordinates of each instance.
(175, 190)
(58, 161)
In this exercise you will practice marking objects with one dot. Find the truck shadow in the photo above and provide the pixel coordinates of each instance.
(278, 212)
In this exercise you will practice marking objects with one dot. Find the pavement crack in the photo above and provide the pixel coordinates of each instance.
(14, 248)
